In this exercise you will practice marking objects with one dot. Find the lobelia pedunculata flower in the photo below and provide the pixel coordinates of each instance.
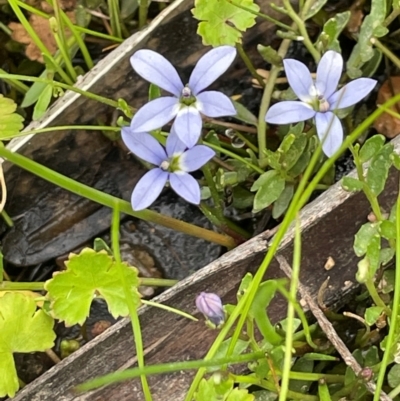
(187, 102)
(173, 164)
(210, 305)
(319, 99)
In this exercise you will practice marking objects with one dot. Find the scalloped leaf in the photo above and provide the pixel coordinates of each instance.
(10, 122)
(88, 275)
(24, 329)
(222, 23)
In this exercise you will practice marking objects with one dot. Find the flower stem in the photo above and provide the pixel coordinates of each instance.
(169, 309)
(108, 200)
(389, 54)
(302, 29)
(20, 286)
(249, 64)
(137, 334)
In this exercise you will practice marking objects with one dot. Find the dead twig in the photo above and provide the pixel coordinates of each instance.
(330, 332)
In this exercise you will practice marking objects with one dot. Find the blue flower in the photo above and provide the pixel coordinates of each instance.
(210, 305)
(173, 164)
(319, 99)
(187, 102)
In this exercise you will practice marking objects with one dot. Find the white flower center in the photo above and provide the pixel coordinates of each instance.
(165, 165)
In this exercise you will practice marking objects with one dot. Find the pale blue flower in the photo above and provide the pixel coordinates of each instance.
(319, 99)
(210, 305)
(173, 164)
(187, 102)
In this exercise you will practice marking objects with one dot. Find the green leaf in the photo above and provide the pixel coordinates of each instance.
(89, 274)
(371, 27)
(304, 366)
(293, 151)
(222, 23)
(244, 114)
(315, 8)
(387, 229)
(374, 255)
(351, 184)
(364, 236)
(394, 376)
(379, 169)
(372, 314)
(371, 147)
(270, 55)
(10, 122)
(33, 93)
(43, 102)
(282, 203)
(396, 160)
(269, 191)
(332, 29)
(23, 329)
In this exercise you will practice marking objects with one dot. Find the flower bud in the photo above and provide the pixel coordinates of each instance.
(210, 305)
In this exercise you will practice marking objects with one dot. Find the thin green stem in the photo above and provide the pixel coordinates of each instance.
(62, 48)
(294, 282)
(113, 10)
(20, 286)
(249, 65)
(167, 368)
(19, 86)
(137, 334)
(56, 84)
(143, 6)
(63, 128)
(394, 318)
(263, 16)
(233, 155)
(213, 190)
(391, 17)
(266, 101)
(78, 38)
(110, 201)
(7, 219)
(169, 309)
(389, 54)
(157, 282)
(302, 29)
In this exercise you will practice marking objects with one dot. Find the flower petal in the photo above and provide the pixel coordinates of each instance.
(174, 145)
(155, 68)
(330, 132)
(289, 112)
(148, 188)
(185, 186)
(329, 71)
(214, 104)
(155, 114)
(195, 158)
(299, 78)
(351, 93)
(143, 145)
(187, 125)
(210, 67)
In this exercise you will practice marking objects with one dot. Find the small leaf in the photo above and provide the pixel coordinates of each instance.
(351, 184)
(332, 29)
(379, 169)
(282, 203)
(305, 366)
(371, 147)
(374, 255)
(372, 314)
(90, 273)
(394, 376)
(363, 238)
(270, 55)
(23, 329)
(43, 102)
(222, 23)
(315, 8)
(244, 114)
(269, 191)
(387, 229)
(10, 122)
